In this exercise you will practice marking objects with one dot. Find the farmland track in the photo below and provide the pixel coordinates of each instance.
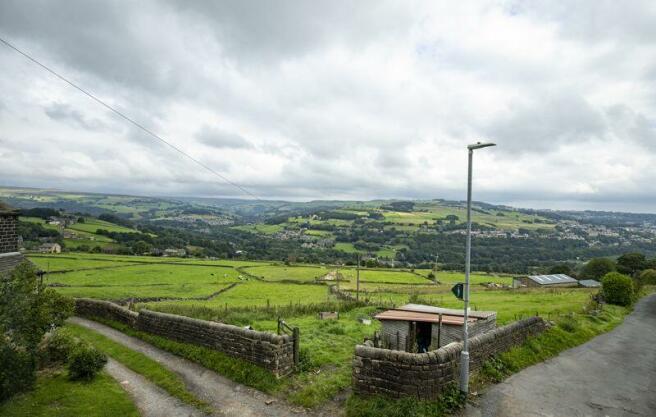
(229, 398)
(151, 400)
(612, 375)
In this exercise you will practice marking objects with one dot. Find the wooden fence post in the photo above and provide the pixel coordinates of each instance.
(296, 333)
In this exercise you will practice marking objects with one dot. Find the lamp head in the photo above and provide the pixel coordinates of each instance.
(479, 145)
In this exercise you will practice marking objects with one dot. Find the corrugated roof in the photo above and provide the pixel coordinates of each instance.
(552, 279)
(449, 311)
(590, 283)
(401, 315)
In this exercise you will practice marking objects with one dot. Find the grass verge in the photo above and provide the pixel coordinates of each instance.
(567, 333)
(235, 369)
(139, 363)
(57, 396)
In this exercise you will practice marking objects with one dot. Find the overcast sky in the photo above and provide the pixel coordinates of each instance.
(336, 99)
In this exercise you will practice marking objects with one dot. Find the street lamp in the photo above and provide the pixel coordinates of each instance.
(464, 356)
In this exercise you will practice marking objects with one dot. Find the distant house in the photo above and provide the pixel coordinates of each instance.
(537, 281)
(50, 248)
(414, 326)
(589, 283)
(175, 252)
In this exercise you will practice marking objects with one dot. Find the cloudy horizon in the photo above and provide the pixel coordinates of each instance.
(336, 100)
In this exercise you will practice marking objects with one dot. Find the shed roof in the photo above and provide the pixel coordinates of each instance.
(552, 279)
(421, 308)
(401, 315)
(590, 283)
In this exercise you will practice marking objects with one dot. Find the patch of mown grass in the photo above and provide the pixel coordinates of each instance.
(568, 332)
(56, 395)
(139, 363)
(376, 406)
(235, 369)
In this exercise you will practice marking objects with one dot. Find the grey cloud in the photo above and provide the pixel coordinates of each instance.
(219, 138)
(546, 123)
(64, 112)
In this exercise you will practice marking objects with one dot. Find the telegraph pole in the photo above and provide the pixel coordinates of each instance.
(357, 279)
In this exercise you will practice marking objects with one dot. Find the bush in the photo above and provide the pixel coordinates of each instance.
(27, 311)
(56, 347)
(85, 362)
(648, 277)
(617, 289)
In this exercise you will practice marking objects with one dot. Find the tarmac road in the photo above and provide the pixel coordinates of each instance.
(612, 375)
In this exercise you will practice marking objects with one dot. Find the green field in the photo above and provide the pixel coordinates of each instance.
(288, 273)
(92, 225)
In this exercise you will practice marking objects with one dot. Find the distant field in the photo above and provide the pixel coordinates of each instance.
(92, 225)
(282, 272)
(64, 263)
(381, 276)
(254, 293)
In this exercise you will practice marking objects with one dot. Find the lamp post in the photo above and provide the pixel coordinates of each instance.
(464, 356)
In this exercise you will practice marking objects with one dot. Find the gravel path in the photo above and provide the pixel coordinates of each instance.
(229, 398)
(612, 375)
(151, 400)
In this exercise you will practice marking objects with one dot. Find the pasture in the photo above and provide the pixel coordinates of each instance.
(257, 293)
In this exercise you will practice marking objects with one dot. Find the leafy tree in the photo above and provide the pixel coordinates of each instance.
(597, 268)
(617, 289)
(648, 277)
(140, 247)
(27, 311)
(561, 269)
(630, 263)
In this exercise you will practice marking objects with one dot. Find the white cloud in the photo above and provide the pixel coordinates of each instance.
(311, 100)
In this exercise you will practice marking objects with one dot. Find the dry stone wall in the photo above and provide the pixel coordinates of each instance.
(87, 307)
(270, 351)
(425, 375)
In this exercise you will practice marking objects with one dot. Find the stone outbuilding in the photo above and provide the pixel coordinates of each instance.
(417, 327)
(589, 283)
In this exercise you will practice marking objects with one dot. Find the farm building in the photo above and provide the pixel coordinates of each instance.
(416, 327)
(9, 255)
(589, 283)
(556, 280)
(50, 248)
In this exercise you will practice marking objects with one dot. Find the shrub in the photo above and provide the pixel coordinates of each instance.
(648, 277)
(617, 289)
(27, 311)
(56, 347)
(85, 362)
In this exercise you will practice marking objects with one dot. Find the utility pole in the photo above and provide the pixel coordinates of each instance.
(357, 279)
(464, 356)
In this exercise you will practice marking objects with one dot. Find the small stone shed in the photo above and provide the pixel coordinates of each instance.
(405, 327)
(589, 283)
(543, 281)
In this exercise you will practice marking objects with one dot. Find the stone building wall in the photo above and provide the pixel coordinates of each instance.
(270, 351)
(8, 236)
(424, 375)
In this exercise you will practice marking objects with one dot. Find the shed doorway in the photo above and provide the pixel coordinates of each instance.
(423, 336)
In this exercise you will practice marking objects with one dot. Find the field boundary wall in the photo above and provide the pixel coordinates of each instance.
(425, 375)
(268, 350)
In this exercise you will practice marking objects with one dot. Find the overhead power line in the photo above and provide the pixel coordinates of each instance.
(127, 118)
